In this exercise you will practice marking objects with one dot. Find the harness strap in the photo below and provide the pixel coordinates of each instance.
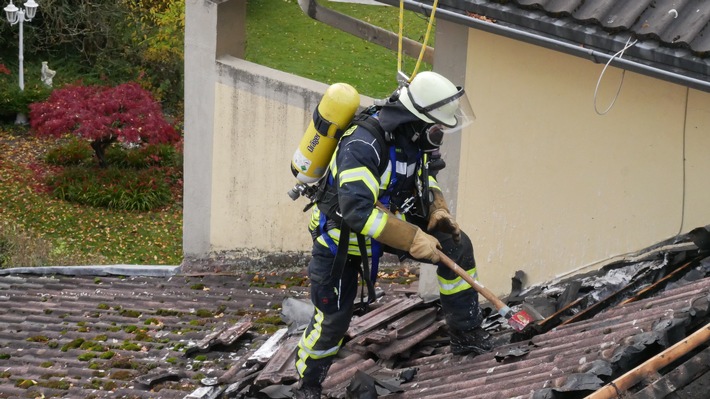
(366, 274)
(324, 234)
(376, 246)
(341, 257)
(341, 254)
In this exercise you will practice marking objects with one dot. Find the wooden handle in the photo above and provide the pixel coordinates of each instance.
(490, 296)
(502, 308)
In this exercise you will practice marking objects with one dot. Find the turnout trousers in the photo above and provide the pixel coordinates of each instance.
(333, 297)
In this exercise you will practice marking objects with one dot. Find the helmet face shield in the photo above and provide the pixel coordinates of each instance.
(464, 115)
(434, 99)
(442, 111)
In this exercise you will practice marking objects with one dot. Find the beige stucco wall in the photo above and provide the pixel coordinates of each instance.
(547, 186)
(259, 122)
(540, 181)
(697, 164)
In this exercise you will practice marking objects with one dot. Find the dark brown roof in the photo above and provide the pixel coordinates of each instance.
(218, 336)
(680, 24)
(89, 336)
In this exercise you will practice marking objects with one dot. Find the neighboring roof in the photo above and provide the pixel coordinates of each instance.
(122, 336)
(673, 36)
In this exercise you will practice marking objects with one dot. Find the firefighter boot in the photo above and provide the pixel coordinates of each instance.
(472, 342)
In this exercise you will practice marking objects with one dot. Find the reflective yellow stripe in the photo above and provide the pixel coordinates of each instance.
(375, 223)
(353, 248)
(310, 339)
(315, 219)
(385, 178)
(450, 287)
(433, 183)
(307, 342)
(305, 353)
(361, 174)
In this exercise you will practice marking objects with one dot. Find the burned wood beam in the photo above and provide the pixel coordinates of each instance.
(653, 364)
(346, 374)
(413, 322)
(658, 285)
(552, 321)
(245, 379)
(405, 326)
(237, 372)
(212, 392)
(612, 299)
(677, 378)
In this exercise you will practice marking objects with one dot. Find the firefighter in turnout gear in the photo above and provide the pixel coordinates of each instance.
(382, 196)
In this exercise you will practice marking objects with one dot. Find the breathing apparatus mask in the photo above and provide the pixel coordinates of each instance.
(429, 136)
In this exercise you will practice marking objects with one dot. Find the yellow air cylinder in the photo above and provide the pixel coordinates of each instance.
(333, 114)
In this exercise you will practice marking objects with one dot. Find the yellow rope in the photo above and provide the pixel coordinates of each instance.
(426, 38)
(401, 28)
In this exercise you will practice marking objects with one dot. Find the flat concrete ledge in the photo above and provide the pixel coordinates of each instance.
(236, 262)
(114, 270)
(244, 261)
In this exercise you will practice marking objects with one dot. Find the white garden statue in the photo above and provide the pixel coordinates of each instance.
(47, 74)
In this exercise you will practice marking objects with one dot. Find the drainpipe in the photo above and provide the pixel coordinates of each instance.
(364, 30)
(554, 44)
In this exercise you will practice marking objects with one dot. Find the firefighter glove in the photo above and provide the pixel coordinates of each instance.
(425, 246)
(405, 236)
(440, 219)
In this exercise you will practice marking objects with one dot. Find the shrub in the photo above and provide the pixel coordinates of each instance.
(115, 40)
(126, 113)
(114, 188)
(12, 99)
(143, 157)
(158, 38)
(74, 152)
(6, 247)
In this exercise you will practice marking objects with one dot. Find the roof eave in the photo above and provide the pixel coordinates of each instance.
(679, 66)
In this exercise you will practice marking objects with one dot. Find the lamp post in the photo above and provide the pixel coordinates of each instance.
(20, 15)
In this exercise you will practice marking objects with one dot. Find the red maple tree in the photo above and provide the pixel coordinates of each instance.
(103, 115)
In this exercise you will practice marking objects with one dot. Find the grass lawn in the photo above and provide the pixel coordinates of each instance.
(281, 36)
(76, 234)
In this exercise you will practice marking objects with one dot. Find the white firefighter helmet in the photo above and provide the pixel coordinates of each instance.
(434, 99)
